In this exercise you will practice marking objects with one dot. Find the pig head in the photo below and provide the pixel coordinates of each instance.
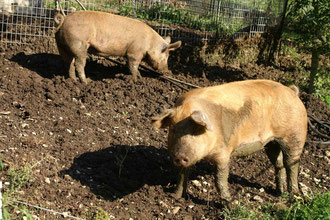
(237, 119)
(90, 32)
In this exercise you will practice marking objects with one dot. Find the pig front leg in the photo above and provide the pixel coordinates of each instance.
(221, 182)
(133, 65)
(181, 187)
(221, 176)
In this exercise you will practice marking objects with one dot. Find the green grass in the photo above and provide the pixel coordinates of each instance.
(316, 208)
(99, 214)
(17, 178)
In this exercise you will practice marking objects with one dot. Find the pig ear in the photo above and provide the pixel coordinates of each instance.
(167, 39)
(201, 119)
(163, 120)
(175, 45)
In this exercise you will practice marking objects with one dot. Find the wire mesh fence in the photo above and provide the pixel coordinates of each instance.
(22, 21)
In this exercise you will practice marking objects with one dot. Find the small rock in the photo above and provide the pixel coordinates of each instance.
(25, 126)
(304, 189)
(205, 190)
(35, 217)
(305, 174)
(47, 180)
(257, 198)
(163, 204)
(191, 206)
(327, 153)
(261, 190)
(206, 183)
(69, 131)
(196, 183)
(316, 180)
(176, 209)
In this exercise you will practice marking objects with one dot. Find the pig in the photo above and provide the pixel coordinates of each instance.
(236, 119)
(92, 32)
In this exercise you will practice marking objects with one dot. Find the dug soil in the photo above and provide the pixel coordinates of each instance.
(91, 148)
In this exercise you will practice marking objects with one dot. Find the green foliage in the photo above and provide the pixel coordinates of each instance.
(244, 212)
(312, 20)
(322, 86)
(170, 14)
(100, 214)
(17, 178)
(1, 163)
(318, 208)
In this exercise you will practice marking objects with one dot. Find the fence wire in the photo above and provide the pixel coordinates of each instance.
(24, 21)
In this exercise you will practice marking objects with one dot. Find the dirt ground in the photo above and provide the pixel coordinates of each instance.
(92, 146)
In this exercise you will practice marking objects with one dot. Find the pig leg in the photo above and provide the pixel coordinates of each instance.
(133, 65)
(221, 182)
(181, 188)
(80, 66)
(221, 177)
(72, 69)
(79, 50)
(70, 60)
(291, 156)
(275, 155)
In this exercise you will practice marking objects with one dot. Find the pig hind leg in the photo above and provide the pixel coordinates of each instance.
(69, 59)
(274, 153)
(292, 149)
(79, 50)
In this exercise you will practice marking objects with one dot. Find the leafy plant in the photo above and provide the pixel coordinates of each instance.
(99, 214)
(17, 178)
(1, 163)
(322, 86)
(318, 208)
(312, 20)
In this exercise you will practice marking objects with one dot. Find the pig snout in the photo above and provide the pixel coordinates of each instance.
(181, 159)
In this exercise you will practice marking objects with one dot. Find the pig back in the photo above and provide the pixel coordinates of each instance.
(262, 108)
(107, 33)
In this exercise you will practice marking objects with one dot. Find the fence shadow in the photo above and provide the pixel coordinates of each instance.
(120, 170)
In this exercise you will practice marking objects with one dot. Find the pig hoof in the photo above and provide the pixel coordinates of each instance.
(228, 203)
(178, 195)
(86, 81)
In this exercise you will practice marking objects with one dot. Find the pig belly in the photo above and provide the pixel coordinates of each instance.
(247, 149)
(106, 52)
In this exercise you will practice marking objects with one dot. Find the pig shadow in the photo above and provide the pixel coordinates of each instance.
(51, 65)
(120, 170)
